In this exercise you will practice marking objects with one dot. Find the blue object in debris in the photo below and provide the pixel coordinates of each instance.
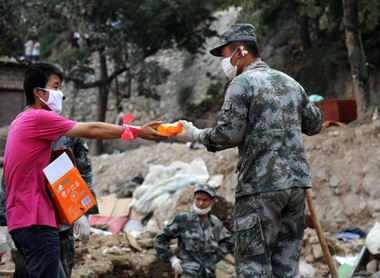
(347, 236)
(356, 230)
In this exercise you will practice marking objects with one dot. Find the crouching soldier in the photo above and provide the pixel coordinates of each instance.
(202, 239)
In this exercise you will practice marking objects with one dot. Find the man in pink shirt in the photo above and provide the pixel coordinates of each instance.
(30, 214)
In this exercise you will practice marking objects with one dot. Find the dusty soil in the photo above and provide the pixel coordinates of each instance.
(345, 164)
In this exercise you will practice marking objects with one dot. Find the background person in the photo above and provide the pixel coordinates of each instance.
(36, 49)
(119, 116)
(264, 114)
(202, 239)
(29, 48)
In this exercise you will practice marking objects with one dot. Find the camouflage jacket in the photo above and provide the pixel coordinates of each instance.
(83, 162)
(265, 113)
(200, 245)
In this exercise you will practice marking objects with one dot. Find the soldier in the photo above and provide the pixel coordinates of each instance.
(202, 239)
(264, 113)
(66, 232)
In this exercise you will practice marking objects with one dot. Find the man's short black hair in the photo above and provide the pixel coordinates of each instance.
(250, 46)
(37, 75)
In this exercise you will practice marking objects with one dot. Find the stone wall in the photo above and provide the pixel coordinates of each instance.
(11, 76)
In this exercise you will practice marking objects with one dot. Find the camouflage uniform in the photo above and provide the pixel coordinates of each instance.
(83, 162)
(200, 244)
(265, 113)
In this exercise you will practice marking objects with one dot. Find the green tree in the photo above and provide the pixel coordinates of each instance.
(360, 18)
(123, 33)
(357, 59)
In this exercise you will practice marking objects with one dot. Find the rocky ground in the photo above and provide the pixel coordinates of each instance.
(345, 164)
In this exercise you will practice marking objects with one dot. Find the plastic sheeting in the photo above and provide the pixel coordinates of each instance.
(162, 183)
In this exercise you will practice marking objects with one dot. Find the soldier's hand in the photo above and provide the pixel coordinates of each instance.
(190, 134)
(176, 265)
(82, 228)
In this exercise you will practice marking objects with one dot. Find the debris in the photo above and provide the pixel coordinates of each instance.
(306, 270)
(373, 239)
(345, 271)
(346, 236)
(371, 267)
(99, 231)
(132, 241)
(111, 250)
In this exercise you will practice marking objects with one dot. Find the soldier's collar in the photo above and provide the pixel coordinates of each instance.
(256, 64)
(195, 216)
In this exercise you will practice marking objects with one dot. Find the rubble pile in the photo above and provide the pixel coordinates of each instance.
(124, 255)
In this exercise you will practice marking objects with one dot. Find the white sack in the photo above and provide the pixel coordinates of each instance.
(372, 240)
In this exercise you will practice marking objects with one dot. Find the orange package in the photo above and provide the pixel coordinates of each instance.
(170, 129)
(70, 195)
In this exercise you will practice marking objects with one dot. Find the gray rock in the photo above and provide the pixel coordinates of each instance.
(372, 266)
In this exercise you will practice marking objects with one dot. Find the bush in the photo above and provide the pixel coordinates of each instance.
(184, 92)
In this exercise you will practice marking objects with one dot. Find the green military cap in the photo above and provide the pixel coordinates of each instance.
(241, 32)
(205, 187)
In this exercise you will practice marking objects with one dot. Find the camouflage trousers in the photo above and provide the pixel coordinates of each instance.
(67, 256)
(269, 229)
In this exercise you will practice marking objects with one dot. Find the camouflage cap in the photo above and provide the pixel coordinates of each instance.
(241, 32)
(205, 187)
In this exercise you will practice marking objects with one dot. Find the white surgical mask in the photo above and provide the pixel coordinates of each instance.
(200, 211)
(229, 69)
(54, 101)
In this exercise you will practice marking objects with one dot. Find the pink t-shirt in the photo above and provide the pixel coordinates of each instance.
(27, 153)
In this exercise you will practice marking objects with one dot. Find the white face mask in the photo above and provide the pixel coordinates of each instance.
(55, 100)
(200, 211)
(229, 69)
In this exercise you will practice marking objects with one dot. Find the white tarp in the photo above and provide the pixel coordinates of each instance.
(162, 183)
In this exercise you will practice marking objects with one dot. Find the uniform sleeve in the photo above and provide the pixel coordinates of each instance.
(3, 193)
(162, 241)
(312, 117)
(231, 127)
(84, 165)
(226, 243)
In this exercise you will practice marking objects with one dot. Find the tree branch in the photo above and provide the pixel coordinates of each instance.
(96, 83)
